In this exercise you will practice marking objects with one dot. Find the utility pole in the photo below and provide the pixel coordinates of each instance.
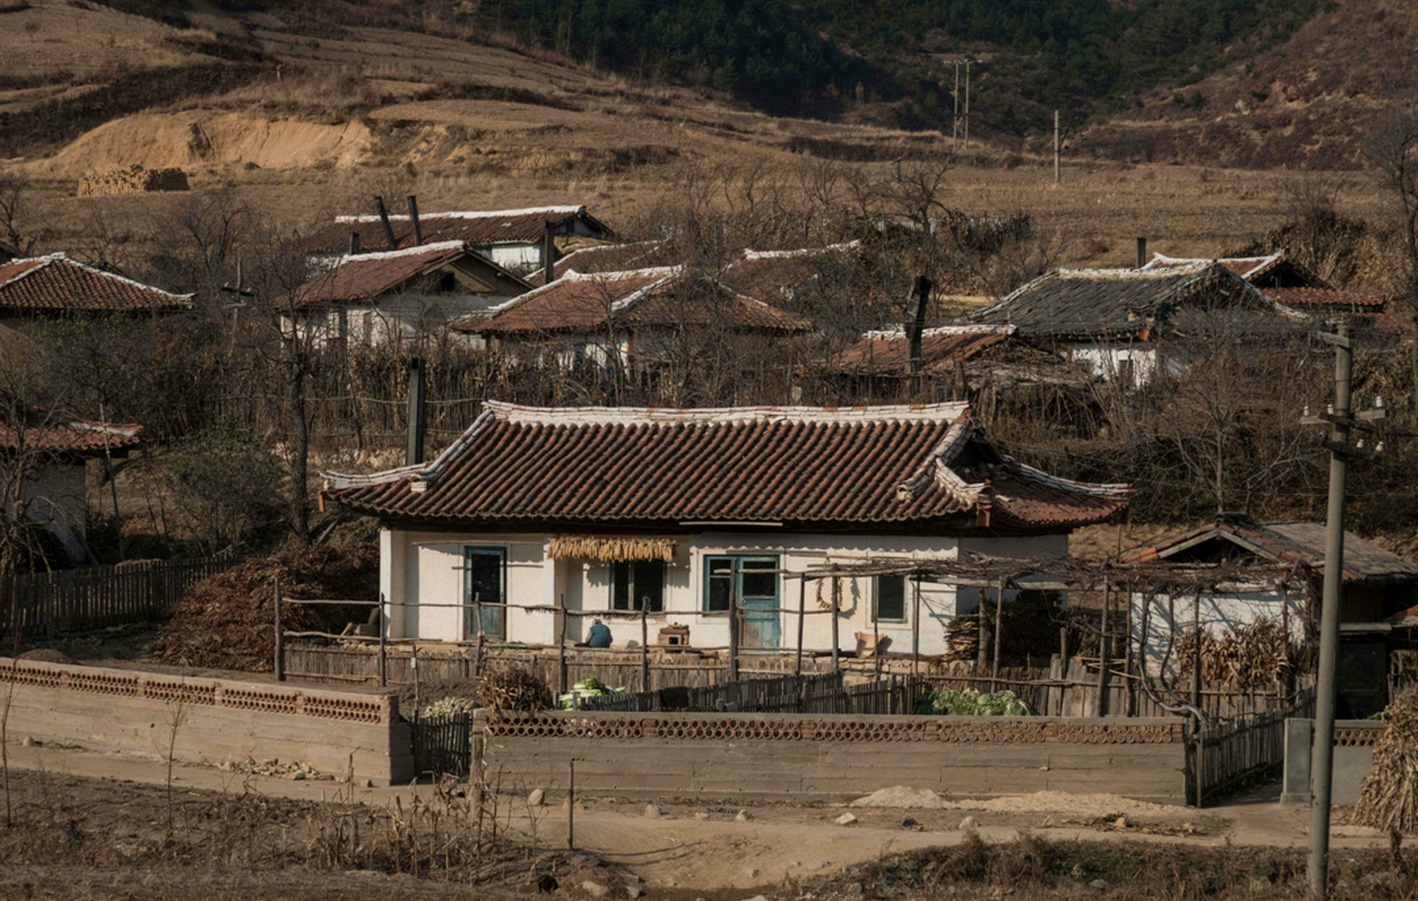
(955, 110)
(967, 104)
(1057, 175)
(1341, 423)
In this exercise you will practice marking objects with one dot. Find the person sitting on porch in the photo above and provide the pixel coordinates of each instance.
(600, 636)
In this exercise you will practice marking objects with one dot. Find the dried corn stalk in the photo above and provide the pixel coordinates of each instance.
(1389, 797)
(1244, 658)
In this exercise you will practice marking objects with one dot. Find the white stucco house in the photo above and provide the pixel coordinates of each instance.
(686, 512)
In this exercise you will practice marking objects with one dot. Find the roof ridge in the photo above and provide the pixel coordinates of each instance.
(462, 214)
(402, 252)
(60, 256)
(45, 261)
(983, 328)
(751, 254)
(520, 414)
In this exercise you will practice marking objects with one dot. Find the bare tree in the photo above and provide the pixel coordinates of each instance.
(12, 203)
(1392, 149)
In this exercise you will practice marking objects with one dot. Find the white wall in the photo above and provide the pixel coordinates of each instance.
(1167, 618)
(426, 568)
(1109, 361)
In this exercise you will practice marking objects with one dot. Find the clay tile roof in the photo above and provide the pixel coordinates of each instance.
(941, 348)
(1259, 270)
(1301, 543)
(1332, 299)
(54, 433)
(369, 275)
(775, 276)
(57, 283)
(1090, 303)
(602, 258)
(668, 296)
(870, 467)
(524, 226)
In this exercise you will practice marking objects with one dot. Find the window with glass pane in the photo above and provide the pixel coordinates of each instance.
(637, 584)
(719, 574)
(891, 599)
(760, 578)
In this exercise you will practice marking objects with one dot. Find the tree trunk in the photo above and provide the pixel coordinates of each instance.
(300, 456)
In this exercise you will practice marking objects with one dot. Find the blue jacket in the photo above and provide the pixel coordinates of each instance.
(600, 636)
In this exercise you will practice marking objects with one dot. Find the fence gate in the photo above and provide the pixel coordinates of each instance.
(443, 745)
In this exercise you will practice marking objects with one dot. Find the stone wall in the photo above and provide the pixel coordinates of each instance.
(217, 720)
(836, 756)
(134, 180)
(1354, 742)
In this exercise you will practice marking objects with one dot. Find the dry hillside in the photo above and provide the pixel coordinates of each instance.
(1305, 103)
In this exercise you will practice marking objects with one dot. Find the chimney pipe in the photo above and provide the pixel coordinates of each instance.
(384, 217)
(548, 256)
(418, 417)
(414, 218)
(1141, 252)
(915, 323)
(354, 244)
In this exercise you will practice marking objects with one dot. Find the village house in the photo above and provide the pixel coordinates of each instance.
(604, 258)
(54, 450)
(1379, 588)
(687, 512)
(627, 319)
(514, 239)
(1109, 321)
(46, 287)
(790, 277)
(388, 296)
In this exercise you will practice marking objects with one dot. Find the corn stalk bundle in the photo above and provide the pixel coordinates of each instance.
(611, 550)
(515, 688)
(1389, 797)
(1246, 657)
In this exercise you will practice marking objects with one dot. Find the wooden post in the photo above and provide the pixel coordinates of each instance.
(875, 639)
(999, 618)
(414, 671)
(1196, 651)
(383, 644)
(734, 621)
(1057, 175)
(561, 645)
(802, 618)
(644, 645)
(836, 609)
(916, 631)
(1100, 706)
(571, 805)
(280, 662)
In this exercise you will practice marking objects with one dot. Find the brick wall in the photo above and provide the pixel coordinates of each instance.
(217, 719)
(837, 756)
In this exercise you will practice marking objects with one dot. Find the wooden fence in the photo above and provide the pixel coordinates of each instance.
(77, 600)
(442, 745)
(1227, 753)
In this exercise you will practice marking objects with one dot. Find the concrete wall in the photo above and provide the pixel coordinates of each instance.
(837, 756)
(426, 567)
(1354, 742)
(217, 719)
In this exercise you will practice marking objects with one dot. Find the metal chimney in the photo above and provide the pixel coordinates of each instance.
(418, 417)
(1141, 252)
(414, 218)
(384, 218)
(915, 323)
(548, 256)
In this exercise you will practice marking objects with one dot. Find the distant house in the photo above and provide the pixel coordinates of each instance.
(55, 449)
(513, 239)
(1109, 320)
(1378, 586)
(786, 277)
(604, 258)
(378, 297)
(689, 513)
(1291, 284)
(54, 285)
(627, 318)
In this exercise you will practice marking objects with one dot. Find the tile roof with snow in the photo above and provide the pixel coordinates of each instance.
(55, 283)
(775, 276)
(485, 227)
(368, 275)
(602, 258)
(886, 469)
(52, 433)
(1271, 270)
(1097, 303)
(668, 296)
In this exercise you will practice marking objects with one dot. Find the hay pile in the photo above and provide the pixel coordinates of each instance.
(1389, 798)
(1247, 657)
(962, 639)
(226, 622)
(515, 688)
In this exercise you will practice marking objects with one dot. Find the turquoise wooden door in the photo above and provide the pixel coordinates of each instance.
(485, 582)
(758, 586)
